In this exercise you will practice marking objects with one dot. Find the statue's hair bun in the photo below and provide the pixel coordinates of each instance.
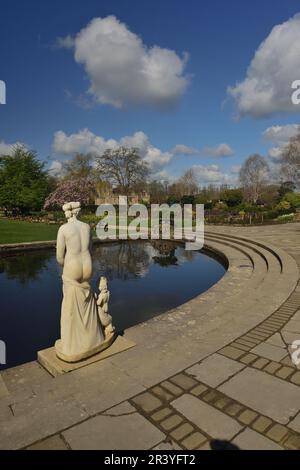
(69, 206)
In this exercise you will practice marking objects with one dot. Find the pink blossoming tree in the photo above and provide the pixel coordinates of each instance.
(77, 189)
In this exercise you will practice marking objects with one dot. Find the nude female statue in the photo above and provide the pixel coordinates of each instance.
(81, 330)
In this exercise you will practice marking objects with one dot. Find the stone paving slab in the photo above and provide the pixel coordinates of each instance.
(20, 431)
(295, 423)
(29, 375)
(114, 433)
(269, 351)
(251, 440)
(213, 422)
(269, 395)
(276, 340)
(289, 337)
(293, 326)
(148, 402)
(215, 369)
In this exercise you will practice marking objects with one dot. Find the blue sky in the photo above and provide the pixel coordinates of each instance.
(174, 94)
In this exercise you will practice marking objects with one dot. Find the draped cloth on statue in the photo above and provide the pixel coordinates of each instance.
(81, 331)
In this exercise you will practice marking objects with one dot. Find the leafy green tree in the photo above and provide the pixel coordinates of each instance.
(24, 184)
(293, 199)
(221, 206)
(173, 199)
(188, 199)
(286, 187)
(232, 197)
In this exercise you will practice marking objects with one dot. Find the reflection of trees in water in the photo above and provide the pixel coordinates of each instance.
(165, 261)
(124, 261)
(130, 260)
(166, 253)
(25, 267)
(164, 247)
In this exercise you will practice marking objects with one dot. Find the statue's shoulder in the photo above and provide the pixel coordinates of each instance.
(84, 225)
(62, 228)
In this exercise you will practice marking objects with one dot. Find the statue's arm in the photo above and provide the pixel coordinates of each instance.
(60, 247)
(100, 299)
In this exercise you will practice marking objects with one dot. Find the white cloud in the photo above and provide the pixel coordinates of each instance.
(164, 175)
(8, 149)
(280, 137)
(182, 149)
(275, 154)
(212, 174)
(56, 168)
(122, 70)
(86, 141)
(267, 86)
(83, 141)
(221, 150)
(152, 155)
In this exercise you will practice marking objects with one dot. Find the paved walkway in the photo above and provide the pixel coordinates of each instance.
(216, 368)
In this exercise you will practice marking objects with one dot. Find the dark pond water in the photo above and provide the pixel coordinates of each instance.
(145, 279)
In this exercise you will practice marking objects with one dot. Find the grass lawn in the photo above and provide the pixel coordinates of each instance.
(17, 231)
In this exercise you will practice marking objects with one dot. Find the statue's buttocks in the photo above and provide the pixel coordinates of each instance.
(73, 244)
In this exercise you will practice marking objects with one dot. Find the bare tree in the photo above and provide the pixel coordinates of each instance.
(122, 167)
(290, 160)
(80, 166)
(188, 183)
(253, 175)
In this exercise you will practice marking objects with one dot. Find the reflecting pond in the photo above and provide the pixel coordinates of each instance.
(145, 279)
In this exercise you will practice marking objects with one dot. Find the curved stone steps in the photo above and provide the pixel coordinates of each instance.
(275, 252)
(265, 292)
(279, 263)
(266, 273)
(259, 264)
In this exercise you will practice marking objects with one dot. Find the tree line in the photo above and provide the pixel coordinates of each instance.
(26, 185)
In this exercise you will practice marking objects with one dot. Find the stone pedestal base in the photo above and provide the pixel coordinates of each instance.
(80, 357)
(55, 366)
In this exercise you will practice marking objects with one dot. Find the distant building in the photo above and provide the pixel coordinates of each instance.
(111, 196)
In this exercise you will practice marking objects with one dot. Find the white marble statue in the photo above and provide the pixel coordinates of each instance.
(102, 302)
(81, 331)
